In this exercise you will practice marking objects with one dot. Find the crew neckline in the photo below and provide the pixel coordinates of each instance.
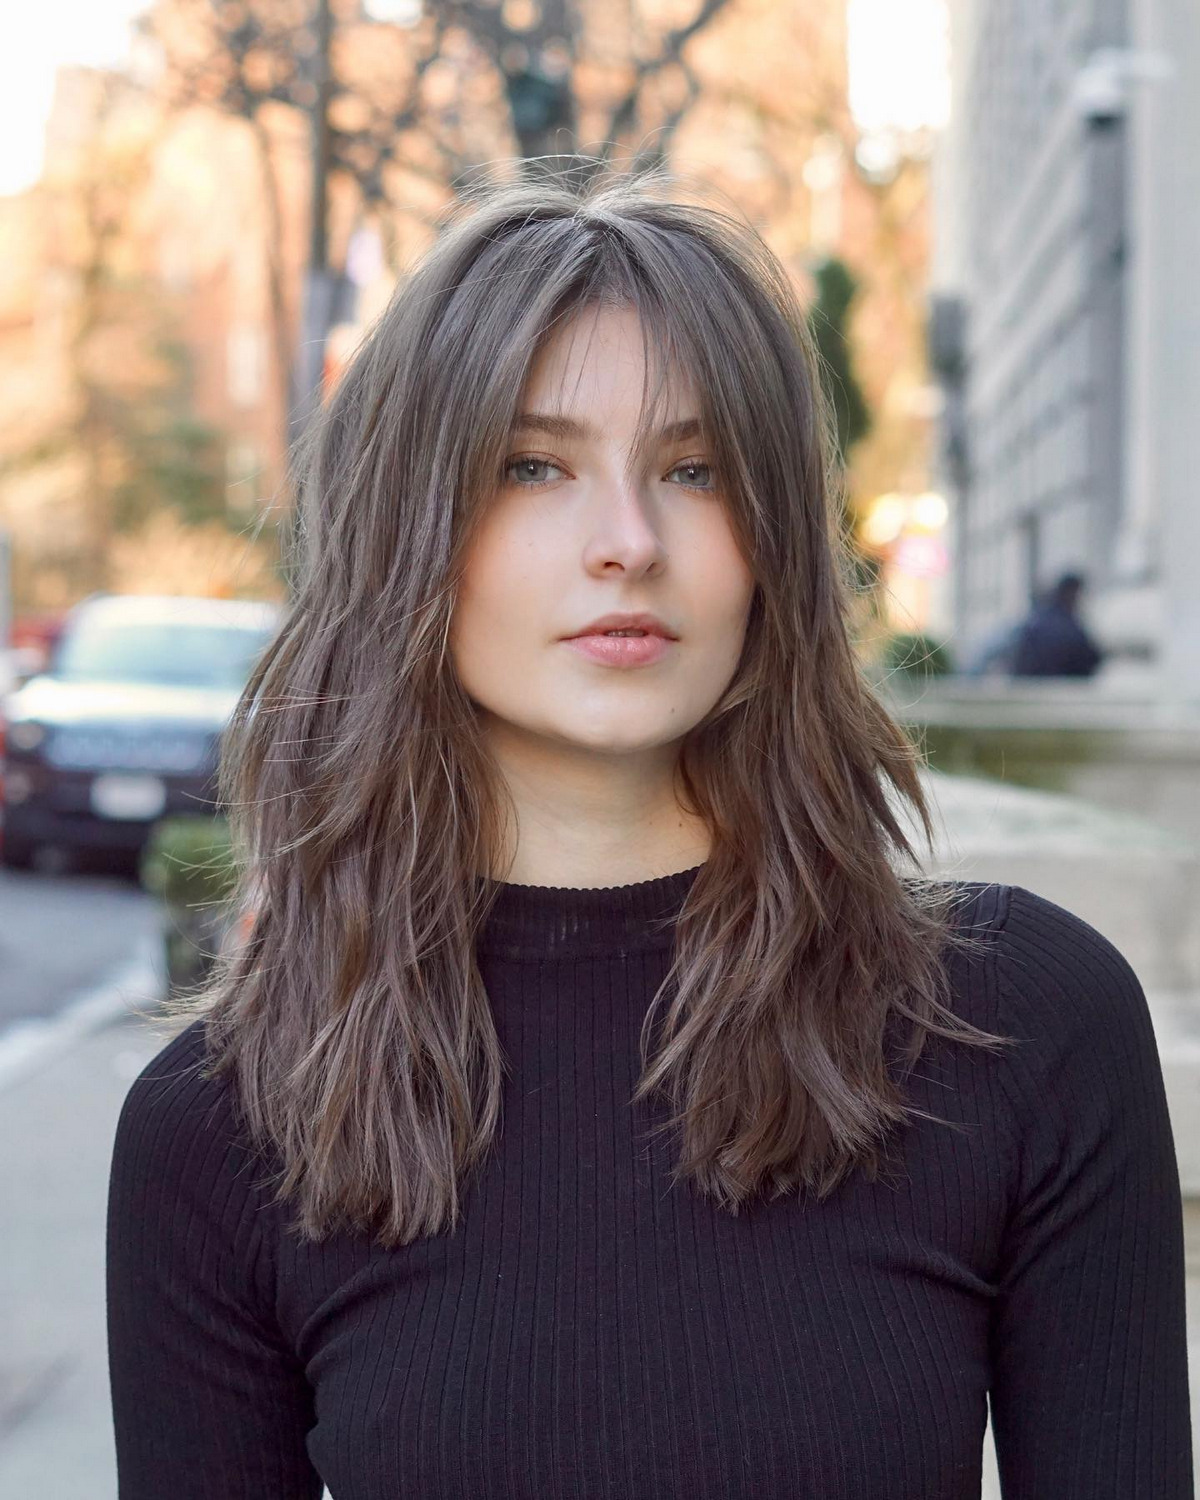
(560, 921)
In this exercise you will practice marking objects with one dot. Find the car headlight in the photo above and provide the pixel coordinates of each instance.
(26, 734)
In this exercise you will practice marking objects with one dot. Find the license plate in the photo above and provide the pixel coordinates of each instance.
(118, 796)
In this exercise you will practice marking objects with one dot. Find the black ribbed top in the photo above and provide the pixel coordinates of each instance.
(594, 1329)
(559, 921)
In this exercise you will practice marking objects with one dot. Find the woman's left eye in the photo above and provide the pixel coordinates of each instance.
(694, 465)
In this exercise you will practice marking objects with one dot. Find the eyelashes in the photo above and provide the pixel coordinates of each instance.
(529, 460)
(532, 460)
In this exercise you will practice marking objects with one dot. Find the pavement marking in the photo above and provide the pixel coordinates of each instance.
(24, 1388)
(31, 1043)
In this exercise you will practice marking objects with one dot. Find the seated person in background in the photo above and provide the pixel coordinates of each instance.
(1052, 641)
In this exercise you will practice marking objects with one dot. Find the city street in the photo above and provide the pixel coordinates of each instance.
(904, 495)
(60, 934)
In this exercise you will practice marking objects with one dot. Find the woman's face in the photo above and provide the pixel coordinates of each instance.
(568, 539)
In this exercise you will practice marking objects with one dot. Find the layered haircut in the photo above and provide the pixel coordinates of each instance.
(352, 1020)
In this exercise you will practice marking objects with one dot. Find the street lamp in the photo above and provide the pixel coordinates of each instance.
(1101, 89)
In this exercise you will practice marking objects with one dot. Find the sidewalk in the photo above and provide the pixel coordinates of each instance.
(57, 1124)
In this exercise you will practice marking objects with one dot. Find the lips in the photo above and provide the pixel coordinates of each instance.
(648, 624)
(621, 650)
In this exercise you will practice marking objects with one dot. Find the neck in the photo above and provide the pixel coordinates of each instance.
(588, 819)
(608, 862)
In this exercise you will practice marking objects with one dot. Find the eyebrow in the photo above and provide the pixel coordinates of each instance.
(568, 427)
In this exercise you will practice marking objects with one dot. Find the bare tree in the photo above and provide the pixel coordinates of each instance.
(438, 92)
(124, 439)
(388, 101)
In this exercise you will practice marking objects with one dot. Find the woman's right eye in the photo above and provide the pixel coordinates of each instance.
(521, 465)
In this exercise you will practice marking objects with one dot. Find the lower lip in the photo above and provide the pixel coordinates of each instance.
(621, 650)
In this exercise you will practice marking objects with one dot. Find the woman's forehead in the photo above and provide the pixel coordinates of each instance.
(595, 353)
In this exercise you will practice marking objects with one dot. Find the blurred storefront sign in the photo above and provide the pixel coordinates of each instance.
(920, 556)
(906, 532)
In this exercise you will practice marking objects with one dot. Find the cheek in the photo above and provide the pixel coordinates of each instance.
(498, 605)
(512, 558)
(723, 581)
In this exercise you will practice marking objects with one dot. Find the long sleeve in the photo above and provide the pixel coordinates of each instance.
(1089, 1344)
(207, 1400)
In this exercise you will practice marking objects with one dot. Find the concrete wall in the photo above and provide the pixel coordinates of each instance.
(1159, 541)
(1072, 239)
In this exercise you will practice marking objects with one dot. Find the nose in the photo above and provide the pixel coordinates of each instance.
(625, 532)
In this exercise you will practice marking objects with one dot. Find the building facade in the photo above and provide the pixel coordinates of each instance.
(1065, 323)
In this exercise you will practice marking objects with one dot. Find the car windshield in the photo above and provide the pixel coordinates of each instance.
(170, 653)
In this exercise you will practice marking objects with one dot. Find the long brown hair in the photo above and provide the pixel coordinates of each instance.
(353, 1018)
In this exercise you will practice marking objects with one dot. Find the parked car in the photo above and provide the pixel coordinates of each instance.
(124, 725)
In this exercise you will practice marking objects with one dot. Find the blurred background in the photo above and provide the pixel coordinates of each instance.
(991, 210)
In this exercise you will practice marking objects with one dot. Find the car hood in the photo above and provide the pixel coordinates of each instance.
(52, 700)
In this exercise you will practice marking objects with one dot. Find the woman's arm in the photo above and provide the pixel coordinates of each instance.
(207, 1399)
(1089, 1341)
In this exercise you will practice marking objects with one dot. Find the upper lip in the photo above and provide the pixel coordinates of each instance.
(651, 624)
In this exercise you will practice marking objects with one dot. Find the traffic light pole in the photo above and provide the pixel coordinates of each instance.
(318, 283)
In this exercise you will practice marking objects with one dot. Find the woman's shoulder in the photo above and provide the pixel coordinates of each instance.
(1067, 995)
(1048, 960)
(1059, 975)
(176, 1082)
(186, 1198)
(177, 1128)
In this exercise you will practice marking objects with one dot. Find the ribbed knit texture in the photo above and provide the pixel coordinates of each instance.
(594, 1330)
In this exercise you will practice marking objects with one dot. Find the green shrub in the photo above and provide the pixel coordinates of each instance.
(189, 861)
(920, 655)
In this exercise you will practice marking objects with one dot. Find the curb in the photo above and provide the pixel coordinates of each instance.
(1176, 1020)
(28, 1045)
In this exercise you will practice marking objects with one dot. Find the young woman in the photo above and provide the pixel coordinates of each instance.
(594, 1109)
